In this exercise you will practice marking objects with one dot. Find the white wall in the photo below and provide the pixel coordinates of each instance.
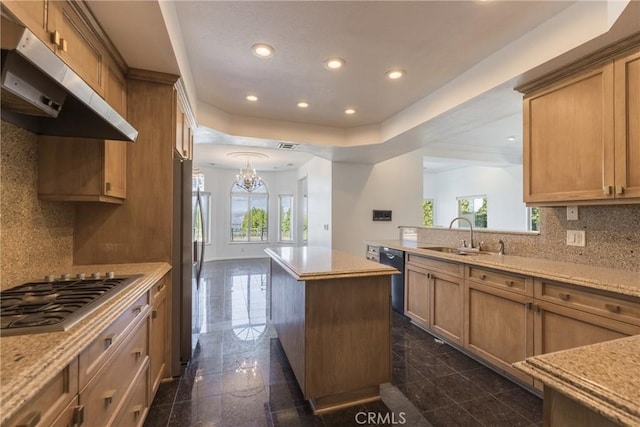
(502, 185)
(318, 174)
(395, 185)
(218, 182)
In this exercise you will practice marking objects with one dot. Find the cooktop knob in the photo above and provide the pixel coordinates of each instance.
(95, 275)
(65, 276)
(49, 278)
(81, 276)
(111, 274)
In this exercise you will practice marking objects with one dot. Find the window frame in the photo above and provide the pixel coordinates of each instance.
(240, 193)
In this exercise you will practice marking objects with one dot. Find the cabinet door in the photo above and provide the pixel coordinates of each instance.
(180, 126)
(499, 326)
(560, 328)
(158, 339)
(417, 295)
(446, 306)
(627, 110)
(569, 140)
(79, 47)
(115, 152)
(33, 14)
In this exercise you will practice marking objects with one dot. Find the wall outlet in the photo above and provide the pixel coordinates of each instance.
(572, 213)
(575, 237)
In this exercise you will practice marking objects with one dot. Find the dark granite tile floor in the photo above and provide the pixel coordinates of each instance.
(240, 376)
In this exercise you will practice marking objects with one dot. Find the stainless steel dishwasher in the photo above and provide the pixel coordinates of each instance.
(395, 259)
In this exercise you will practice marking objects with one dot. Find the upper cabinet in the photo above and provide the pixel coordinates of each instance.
(582, 137)
(184, 125)
(64, 27)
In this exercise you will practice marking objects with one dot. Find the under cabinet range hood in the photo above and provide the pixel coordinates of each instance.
(42, 94)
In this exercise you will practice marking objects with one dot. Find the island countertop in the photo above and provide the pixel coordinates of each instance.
(317, 263)
(27, 362)
(603, 377)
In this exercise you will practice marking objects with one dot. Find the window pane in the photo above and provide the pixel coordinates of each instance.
(427, 213)
(286, 204)
(474, 208)
(256, 219)
(239, 210)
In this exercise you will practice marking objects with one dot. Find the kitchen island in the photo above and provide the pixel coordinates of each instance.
(332, 313)
(594, 385)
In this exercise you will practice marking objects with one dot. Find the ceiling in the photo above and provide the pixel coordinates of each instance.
(439, 44)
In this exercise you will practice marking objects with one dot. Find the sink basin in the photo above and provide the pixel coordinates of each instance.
(448, 250)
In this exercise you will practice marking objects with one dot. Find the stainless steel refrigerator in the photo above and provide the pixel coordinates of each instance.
(186, 266)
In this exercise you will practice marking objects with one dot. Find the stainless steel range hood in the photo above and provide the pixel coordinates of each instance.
(42, 94)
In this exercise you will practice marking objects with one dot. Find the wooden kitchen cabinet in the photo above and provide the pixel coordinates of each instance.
(54, 404)
(158, 336)
(581, 137)
(498, 324)
(183, 128)
(434, 295)
(33, 14)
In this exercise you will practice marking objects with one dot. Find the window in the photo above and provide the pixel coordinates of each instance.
(534, 219)
(285, 207)
(305, 219)
(249, 215)
(427, 213)
(474, 208)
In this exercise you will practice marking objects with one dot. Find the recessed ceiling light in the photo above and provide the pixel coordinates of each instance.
(395, 73)
(511, 138)
(349, 111)
(252, 98)
(303, 104)
(334, 63)
(262, 50)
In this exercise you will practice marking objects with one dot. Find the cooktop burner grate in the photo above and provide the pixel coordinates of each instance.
(55, 305)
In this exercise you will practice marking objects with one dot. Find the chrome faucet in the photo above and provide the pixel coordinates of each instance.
(464, 243)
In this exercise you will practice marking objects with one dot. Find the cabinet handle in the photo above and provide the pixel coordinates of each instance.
(78, 416)
(107, 187)
(63, 45)
(536, 307)
(619, 189)
(137, 309)
(30, 420)
(509, 283)
(55, 37)
(108, 397)
(161, 286)
(606, 190)
(528, 305)
(137, 354)
(137, 410)
(483, 277)
(564, 296)
(108, 340)
(154, 314)
(613, 308)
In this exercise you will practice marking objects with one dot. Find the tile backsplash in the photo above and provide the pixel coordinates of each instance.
(36, 237)
(612, 237)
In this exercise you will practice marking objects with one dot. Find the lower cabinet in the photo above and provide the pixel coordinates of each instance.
(158, 335)
(433, 296)
(499, 326)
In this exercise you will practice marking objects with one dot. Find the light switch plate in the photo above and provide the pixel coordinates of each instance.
(572, 213)
(575, 237)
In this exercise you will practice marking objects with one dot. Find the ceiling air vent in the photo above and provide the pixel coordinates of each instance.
(287, 146)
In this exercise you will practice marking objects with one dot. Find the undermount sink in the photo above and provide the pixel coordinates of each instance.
(457, 251)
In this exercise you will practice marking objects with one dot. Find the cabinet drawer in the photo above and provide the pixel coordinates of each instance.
(104, 393)
(617, 307)
(452, 268)
(100, 349)
(135, 408)
(51, 401)
(511, 282)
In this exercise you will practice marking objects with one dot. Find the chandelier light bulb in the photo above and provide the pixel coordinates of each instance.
(248, 179)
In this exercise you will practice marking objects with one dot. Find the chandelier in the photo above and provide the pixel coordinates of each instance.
(248, 180)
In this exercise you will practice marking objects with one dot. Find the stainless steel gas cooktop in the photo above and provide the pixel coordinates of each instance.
(56, 304)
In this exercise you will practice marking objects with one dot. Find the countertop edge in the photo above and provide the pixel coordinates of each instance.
(589, 394)
(70, 343)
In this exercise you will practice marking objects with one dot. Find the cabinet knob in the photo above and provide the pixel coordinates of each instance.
(483, 276)
(564, 296)
(78, 416)
(619, 189)
(509, 283)
(137, 309)
(107, 187)
(108, 340)
(528, 305)
(54, 37)
(137, 354)
(108, 396)
(63, 45)
(606, 190)
(154, 314)
(137, 410)
(613, 308)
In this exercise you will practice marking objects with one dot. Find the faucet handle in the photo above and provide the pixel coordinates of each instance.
(463, 243)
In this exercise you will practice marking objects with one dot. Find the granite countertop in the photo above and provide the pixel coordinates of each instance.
(608, 279)
(604, 377)
(316, 263)
(27, 362)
